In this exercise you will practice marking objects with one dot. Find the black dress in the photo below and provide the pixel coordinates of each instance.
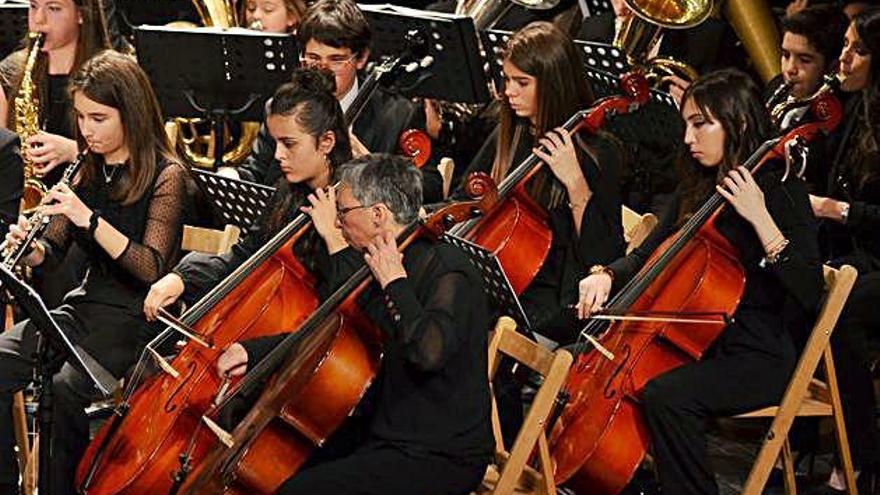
(751, 362)
(430, 431)
(103, 314)
(571, 255)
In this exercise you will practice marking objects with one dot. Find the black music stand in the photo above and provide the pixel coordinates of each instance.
(222, 75)
(502, 298)
(239, 202)
(13, 26)
(451, 68)
(51, 333)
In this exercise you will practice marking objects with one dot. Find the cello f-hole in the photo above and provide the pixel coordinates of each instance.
(609, 391)
(169, 404)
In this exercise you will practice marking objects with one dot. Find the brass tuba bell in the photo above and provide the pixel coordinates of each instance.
(640, 32)
(486, 13)
(196, 147)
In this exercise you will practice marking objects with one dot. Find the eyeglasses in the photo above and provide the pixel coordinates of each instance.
(333, 62)
(341, 212)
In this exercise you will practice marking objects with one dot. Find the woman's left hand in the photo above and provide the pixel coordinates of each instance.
(384, 260)
(561, 157)
(742, 192)
(61, 200)
(322, 209)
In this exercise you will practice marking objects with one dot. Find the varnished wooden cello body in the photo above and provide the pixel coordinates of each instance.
(602, 437)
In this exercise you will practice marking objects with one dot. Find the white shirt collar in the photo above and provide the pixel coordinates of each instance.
(349, 97)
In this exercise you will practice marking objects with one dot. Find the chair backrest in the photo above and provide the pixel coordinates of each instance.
(838, 285)
(636, 227)
(553, 366)
(209, 241)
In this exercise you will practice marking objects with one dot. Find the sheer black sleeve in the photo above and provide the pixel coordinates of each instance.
(431, 332)
(148, 260)
(56, 239)
(601, 235)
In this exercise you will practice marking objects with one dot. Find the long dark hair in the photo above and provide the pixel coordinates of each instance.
(867, 151)
(310, 99)
(544, 52)
(116, 80)
(733, 99)
(93, 37)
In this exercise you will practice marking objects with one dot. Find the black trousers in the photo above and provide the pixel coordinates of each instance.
(678, 403)
(110, 336)
(385, 470)
(857, 328)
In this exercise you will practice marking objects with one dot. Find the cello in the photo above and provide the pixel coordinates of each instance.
(325, 367)
(300, 409)
(601, 437)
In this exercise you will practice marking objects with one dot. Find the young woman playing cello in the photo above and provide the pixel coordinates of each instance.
(578, 186)
(125, 211)
(770, 222)
(307, 124)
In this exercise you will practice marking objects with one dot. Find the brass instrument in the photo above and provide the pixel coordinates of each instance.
(27, 124)
(486, 13)
(755, 26)
(37, 223)
(197, 148)
(640, 33)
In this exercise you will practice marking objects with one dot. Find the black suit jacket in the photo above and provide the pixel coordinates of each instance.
(12, 171)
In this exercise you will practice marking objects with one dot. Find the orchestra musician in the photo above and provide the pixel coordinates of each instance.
(770, 222)
(849, 215)
(124, 210)
(273, 16)
(75, 31)
(430, 429)
(578, 185)
(335, 35)
(311, 137)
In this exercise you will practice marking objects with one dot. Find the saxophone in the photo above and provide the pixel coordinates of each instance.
(37, 223)
(27, 124)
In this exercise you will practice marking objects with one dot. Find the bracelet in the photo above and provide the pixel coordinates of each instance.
(597, 269)
(93, 222)
(772, 241)
(844, 212)
(772, 256)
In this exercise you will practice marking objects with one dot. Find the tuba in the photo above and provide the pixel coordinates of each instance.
(27, 124)
(640, 33)
(751, 20)
(486, 13)
(197, 148)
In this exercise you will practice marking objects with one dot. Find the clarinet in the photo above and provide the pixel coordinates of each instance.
(37, 223)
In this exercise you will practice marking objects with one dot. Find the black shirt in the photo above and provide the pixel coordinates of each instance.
(431, 395)
(571, 254)
(779, 300)
(152, 225)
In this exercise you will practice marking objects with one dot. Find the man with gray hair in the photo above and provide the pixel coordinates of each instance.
(430, 430)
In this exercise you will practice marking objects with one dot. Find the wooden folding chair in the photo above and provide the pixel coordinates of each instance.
(807, 396)
(510, 472)
(209, 241)
(636, 227)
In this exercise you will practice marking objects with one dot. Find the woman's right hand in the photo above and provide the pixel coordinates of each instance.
(165, 291)
(593, 292)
